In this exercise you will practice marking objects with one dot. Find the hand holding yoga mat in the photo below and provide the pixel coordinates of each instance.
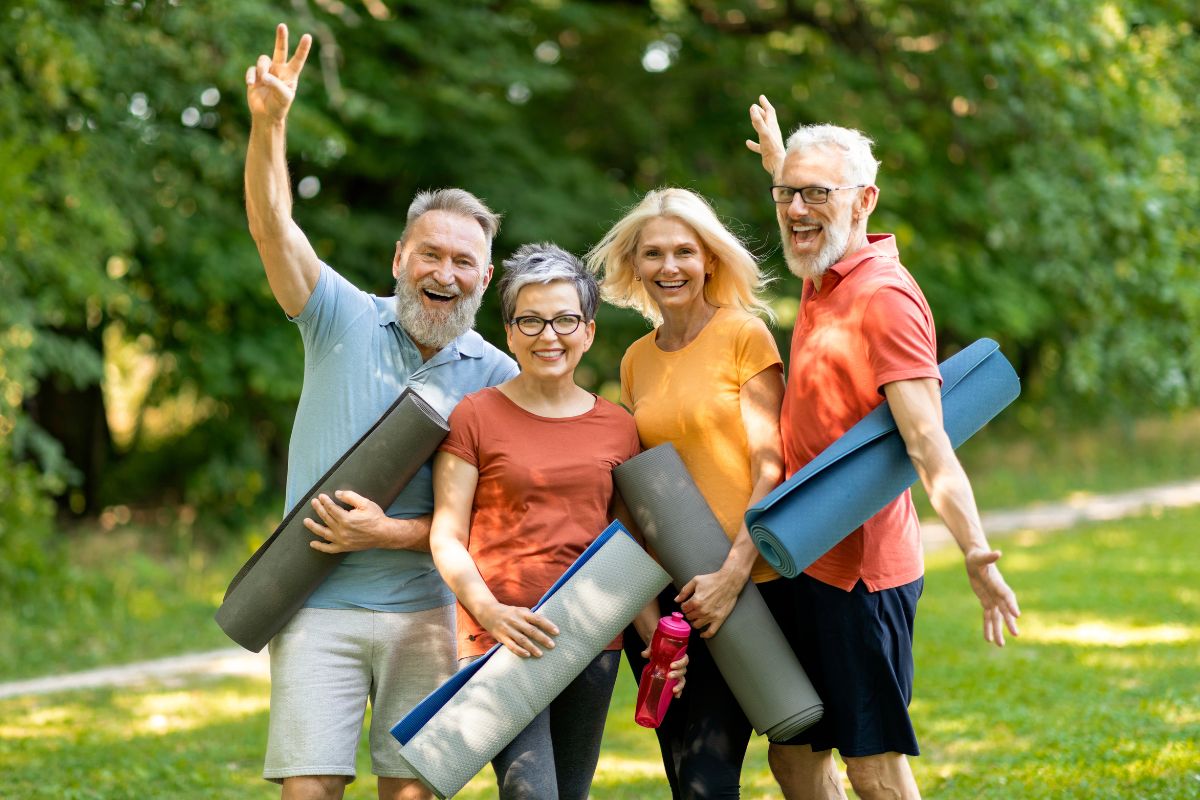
(868, 466)
(750, 651)
(455, 731)
(285, 570)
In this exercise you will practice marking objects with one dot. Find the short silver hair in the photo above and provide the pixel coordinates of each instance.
(546, 263)
(858, 165)
(455, 201)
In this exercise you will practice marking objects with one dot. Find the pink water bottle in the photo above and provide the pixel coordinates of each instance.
(655, 689)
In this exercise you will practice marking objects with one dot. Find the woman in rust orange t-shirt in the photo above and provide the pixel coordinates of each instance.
(522, 485)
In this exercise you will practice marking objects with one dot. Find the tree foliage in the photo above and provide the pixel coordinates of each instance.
(1035, 168)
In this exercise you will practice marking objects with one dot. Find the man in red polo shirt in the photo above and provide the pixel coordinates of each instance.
(863, 333)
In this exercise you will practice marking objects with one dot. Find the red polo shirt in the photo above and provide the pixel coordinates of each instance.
(868, 325)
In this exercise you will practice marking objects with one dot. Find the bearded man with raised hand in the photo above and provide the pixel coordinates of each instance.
(864, 333)
(381, 625)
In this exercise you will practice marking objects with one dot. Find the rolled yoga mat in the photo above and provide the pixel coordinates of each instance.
(272, 586)
(455, 731)
(868, 466)
(751, 652)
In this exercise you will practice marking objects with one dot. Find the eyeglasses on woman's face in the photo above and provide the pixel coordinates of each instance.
(563, 324)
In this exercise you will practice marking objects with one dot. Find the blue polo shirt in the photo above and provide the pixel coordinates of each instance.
(357, 360)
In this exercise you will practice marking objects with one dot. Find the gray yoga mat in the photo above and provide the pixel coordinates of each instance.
(754, 657)
(455, 731)
(272, 586)
(868, 466)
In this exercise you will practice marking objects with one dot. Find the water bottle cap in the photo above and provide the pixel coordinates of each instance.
(675, 625)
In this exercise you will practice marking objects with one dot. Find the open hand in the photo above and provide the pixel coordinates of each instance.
(999, 603)
(770, 137)
(271, 82)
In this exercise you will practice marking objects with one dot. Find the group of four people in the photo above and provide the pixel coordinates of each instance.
(523, 483)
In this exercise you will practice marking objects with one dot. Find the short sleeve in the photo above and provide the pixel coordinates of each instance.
(899, 336)
(755, 350)
(627, 380)
(463, 439)
(332, 309)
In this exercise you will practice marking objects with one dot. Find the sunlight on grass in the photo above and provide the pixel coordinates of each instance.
(1108, 634)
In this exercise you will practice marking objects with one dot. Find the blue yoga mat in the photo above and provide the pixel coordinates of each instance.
(868, 466)
(454, 732)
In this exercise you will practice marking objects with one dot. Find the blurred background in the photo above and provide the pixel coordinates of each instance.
(1039, 171)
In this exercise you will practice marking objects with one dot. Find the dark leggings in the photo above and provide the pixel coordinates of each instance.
(704, 736)
(555, 757)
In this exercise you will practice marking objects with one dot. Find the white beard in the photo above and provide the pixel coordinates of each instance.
(435, 328)
(817, 264)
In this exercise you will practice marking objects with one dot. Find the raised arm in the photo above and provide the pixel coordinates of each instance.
(917, 407)
(290, 261)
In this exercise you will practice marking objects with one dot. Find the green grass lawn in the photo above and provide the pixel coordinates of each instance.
(1099, 698)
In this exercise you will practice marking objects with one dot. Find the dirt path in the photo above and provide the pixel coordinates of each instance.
(233, 661)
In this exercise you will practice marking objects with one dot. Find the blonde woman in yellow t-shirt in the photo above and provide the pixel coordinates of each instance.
(708, 379)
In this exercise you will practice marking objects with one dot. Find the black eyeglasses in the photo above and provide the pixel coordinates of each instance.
(563, 324)
(812, 195)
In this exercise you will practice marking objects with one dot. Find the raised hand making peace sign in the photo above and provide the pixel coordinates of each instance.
(271, 82)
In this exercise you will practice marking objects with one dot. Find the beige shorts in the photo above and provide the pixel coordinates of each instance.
(326, 663)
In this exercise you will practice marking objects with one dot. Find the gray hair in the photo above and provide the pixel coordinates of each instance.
(546, 263)
(455, 201)
(859, 164)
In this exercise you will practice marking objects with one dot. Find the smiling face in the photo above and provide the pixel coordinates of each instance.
(817, 236)
(672, 263)
(549, 355)
(441, 271)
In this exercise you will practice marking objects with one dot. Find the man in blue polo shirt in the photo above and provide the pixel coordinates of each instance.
(381, 625)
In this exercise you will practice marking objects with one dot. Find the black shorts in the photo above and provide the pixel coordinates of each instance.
(856, 647)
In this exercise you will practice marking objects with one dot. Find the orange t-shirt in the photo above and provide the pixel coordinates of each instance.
(543, 494)
(869, 325)
(692, 398)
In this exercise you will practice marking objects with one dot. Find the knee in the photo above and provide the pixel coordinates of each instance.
(709, 779)
(314, 787)
(882, 777)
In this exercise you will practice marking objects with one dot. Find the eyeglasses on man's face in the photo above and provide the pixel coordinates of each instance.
(811, 195)
(563, 324)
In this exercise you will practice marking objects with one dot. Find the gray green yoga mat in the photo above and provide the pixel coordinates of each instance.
(284, 571)
(750, 651)
(868, 466)
(455, 731)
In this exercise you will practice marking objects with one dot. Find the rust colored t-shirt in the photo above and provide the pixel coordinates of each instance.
(543, 494)
(869, 325)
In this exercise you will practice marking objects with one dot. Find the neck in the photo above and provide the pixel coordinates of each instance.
(680, 327)
(426, 352)
(548, 397)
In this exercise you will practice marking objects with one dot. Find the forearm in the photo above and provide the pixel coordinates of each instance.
(949, 491)
(647, 620)
(268, 188)
(407, 534)
(460, 573)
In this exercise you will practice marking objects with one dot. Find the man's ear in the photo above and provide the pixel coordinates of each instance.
(398, 260)
(487, 276)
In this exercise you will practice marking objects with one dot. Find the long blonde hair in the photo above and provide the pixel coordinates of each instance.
(736, 280)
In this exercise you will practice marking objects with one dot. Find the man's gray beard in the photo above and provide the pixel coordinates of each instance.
(435, 328)
(814, 266)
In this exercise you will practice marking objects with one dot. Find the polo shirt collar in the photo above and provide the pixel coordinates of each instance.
(878, 244)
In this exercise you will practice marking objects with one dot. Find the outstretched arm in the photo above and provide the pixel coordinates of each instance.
(917, 407)
(291, 263)
(770, 137)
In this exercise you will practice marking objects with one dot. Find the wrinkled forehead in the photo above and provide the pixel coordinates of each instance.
(456, 234)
